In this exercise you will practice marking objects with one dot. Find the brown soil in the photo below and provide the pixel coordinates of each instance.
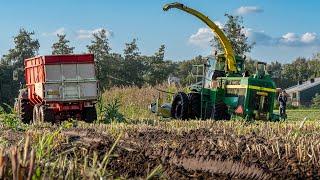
(199, 154)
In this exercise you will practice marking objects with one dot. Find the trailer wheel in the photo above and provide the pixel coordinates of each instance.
(24, 110)
(36, 114)
(195, 105)
(89, 114)
(45, 114)
(180, 105)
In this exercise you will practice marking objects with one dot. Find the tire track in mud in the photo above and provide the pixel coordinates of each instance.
(195, 154)
(229, 168)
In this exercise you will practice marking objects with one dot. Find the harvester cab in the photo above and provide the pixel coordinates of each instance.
(217, 67)
(261, 70)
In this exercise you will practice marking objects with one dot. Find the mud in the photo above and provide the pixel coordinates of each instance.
(199, 154)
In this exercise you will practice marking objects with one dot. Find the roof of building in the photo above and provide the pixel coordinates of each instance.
(303, 86)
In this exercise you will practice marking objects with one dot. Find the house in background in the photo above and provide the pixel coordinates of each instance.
(303, 92)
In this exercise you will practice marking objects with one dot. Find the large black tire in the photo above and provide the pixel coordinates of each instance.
(89, 114)
(220, 112)
(45, 114)
(180, 106)
(194, 105)
(24, 110)
(23, 107)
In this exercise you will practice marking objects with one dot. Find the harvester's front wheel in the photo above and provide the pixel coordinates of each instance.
(89, 114)
(195, 105)
(180, 106)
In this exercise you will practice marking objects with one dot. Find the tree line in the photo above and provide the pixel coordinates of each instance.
(131, 68)
(113, 69)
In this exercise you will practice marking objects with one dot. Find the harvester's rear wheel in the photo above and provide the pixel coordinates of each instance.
(36, 114)
(220, 112)
(89, 114)
(195, 105)
(24, 109)
(180, 106)
(45, 114)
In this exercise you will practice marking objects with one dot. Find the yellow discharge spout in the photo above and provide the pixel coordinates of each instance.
(228, 51)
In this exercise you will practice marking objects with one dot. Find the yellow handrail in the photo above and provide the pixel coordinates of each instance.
(228, 51)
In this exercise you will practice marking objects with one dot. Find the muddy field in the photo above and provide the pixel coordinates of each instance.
(171, 150)
(196, 154)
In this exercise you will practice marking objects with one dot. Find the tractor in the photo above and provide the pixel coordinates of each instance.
(226, 89)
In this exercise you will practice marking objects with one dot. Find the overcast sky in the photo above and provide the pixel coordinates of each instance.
(282, 30)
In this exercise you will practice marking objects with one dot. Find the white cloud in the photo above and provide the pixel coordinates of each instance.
(87, 34)
(259, 37)
(54, 33)
(248, 9)
(289, 39)
(308, 37)
(202, 37)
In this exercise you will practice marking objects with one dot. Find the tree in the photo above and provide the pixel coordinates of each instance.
(133, 65)
(104, 63)
(316, 101)
(8, 88)
(25, 47)
(301, 68)
(250, 65)
(159, 55)
(131, 51)
(275, 69)
(314, 66)
(62, 47)
(296, 71)
(234, 30)
(99, 45)
(157, 70)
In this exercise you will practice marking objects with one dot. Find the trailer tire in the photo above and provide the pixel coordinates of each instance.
(36, 115)
(89, 114)
(24, 110)
(194, 105)
(45, 114)
(180, 106)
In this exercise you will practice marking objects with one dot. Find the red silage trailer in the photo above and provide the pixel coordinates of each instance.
(58, 87)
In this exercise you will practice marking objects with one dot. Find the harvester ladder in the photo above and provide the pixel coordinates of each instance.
(199, 74)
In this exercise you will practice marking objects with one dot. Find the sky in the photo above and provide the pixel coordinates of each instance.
(282, 30)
